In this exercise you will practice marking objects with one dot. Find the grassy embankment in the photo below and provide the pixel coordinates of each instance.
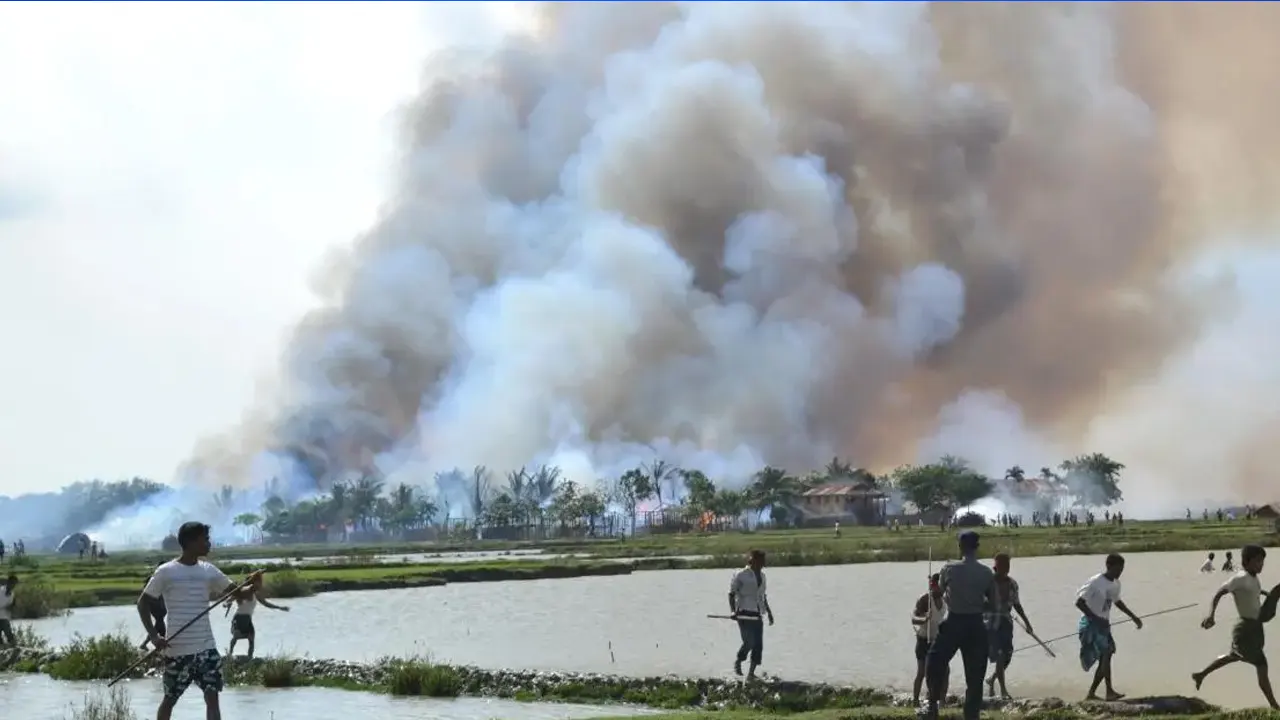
(103, 657)
(52, 583)
(886, 713)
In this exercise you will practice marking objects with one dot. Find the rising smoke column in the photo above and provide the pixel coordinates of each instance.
(756, 233)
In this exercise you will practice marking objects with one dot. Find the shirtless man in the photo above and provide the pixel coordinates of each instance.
(1000, 624)
(1247, 635)
(926, 617)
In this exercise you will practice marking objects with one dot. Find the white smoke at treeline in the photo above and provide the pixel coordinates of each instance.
(737, 234)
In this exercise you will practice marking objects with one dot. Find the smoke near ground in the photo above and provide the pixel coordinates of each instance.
(738, 234)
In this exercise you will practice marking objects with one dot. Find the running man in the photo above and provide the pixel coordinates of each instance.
(242, 621)
(749, 603)
(926, 617)
(186, 585)
(968, 587)
(1097, 645)
(7, 593)
(1000, 624)
(1247, 638)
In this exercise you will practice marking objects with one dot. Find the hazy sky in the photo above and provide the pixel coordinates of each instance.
(170, 177)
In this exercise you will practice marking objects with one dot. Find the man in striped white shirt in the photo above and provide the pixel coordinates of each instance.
(749, 603)
(190, 653)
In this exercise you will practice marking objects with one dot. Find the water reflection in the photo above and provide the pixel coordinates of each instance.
(845, 624)
(39, 697)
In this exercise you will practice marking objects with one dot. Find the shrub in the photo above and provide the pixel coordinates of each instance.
(37, 598)
(114, 706)
(95, 658)
(26, 637)
(416, 676)
(24, 561)
(971, 519)
(279, 673)
(287, 584)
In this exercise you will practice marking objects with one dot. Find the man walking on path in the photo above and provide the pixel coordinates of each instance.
(968, 588)
(749, 603)
(1097, 645)
(7, 592)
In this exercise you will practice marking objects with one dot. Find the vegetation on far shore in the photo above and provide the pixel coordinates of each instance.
(51, 584)
(902, 713)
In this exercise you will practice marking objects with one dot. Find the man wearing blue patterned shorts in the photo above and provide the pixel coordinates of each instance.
(190, 653)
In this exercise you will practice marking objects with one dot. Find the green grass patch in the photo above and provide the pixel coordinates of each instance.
(97, 658)
(420, 677)
(288, 583)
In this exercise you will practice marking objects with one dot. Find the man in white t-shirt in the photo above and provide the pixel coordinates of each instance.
(6, 610)
(1097, 645)
(749, 603)
(190, 653)
(1247, 638)
(1208, 565)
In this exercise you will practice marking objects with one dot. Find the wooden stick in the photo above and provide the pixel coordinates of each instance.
(753, 618)
(1027, 630)
(1119, 622)
(192, 621)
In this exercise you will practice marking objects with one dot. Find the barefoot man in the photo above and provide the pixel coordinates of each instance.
(926, 617)
(1247, 635)
(749, 603)
(1000, 624)
(1097, 645)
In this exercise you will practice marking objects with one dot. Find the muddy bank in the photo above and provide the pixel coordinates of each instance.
(415, 677)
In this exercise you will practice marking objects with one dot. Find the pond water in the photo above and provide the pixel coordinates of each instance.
(844, 624)
(40, 697)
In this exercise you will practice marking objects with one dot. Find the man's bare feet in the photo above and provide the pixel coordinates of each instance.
(1198, 678)
(991, 688)
(1093, 696)
(1004, 695)
(1112, 695)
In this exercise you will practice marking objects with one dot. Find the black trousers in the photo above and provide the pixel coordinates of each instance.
(966, 634)
(752, 632)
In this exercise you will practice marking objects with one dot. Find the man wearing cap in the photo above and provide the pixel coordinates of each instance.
(968, 587)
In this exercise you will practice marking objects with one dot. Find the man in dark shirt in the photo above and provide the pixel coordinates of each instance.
(968, 587)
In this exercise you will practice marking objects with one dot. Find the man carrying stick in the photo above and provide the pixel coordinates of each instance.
(1000, 624)
(190, 655)
(1097, 645)
(749, 602)
(1247, 638)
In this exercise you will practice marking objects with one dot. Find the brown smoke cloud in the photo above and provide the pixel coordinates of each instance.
(767, 233)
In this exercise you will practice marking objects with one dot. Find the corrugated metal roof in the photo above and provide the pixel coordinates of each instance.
(842, 490)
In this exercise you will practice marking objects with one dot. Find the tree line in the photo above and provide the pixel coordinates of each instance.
(543, 496)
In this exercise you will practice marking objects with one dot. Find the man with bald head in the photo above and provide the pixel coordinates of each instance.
(968, 588)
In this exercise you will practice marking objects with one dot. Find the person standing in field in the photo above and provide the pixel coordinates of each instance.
(968, 588)
(242, 621)
(1097, 645)
(749, 604)
(1000, 624)
(1247, 637)
(926, 616)
(1208, 565)
(6, 610)
(190, 655)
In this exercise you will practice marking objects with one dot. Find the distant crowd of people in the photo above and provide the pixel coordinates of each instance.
(19, 549)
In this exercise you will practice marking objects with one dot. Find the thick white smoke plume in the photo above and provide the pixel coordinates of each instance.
(747, 233)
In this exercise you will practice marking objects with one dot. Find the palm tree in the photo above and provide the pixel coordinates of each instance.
(249, 521)
(661, 472)
(772, 488)
(1015, 473)
(364, 498)
(545, 480)
(224, 498)
(480, 490)
(837, 469)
